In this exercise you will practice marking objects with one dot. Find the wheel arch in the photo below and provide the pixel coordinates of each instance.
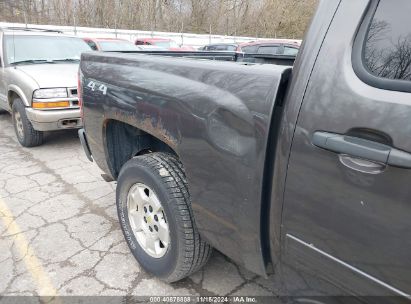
(124, 141)
(14, 92)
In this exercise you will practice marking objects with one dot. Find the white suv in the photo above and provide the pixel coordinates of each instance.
(38, 81)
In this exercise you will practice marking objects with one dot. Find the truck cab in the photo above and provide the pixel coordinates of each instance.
(298, 172)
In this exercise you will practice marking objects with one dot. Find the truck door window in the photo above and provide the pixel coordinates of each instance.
(387, 50)
(384, 46)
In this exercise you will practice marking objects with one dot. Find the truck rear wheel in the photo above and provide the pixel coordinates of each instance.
(26, 134)
(154, 210)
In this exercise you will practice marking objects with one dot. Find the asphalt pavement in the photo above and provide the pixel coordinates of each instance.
(59, 233)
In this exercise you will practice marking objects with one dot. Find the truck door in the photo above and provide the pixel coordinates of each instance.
(347, 203)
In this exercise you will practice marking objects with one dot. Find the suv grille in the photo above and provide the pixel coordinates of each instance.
(72, 92)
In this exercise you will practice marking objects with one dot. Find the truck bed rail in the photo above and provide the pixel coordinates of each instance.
(223, 56)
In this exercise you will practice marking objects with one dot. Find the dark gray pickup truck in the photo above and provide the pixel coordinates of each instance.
(303, 172)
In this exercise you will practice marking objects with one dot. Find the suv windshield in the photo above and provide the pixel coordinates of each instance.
(117, 46)
(31, 49)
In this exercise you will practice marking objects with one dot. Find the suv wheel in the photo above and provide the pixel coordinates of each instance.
(155, 214)
(26, 135)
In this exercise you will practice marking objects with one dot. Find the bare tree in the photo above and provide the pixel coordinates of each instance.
(263, 18)
(384, 57)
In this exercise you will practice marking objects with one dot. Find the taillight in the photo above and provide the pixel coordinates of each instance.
(79, 93)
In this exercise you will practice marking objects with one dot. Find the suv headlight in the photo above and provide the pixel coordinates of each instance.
(51, 93)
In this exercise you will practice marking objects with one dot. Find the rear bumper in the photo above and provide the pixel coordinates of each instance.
(43, 120)
(84, 144)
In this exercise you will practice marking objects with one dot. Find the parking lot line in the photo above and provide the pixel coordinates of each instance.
(33, 265)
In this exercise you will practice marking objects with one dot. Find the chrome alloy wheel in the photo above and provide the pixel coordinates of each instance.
(147, 220)
(19, 124)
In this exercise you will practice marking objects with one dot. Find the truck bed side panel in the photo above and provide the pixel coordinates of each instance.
(214, 115)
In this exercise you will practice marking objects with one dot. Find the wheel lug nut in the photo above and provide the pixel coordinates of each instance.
(155, 227)
(145, 219)
(151, 229)
(150, 208)
(145, 209)
(156, 218)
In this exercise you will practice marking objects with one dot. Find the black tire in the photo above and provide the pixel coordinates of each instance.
(2, 111)
(29, 137)
(187, 252)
